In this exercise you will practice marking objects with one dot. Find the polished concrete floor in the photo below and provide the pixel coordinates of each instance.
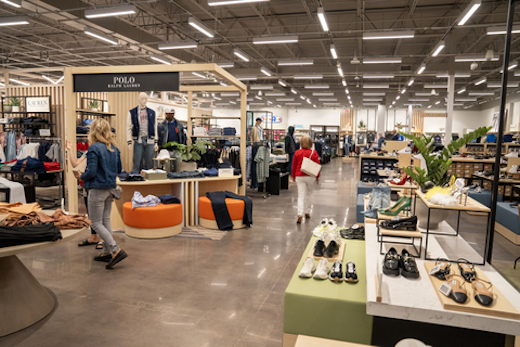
(194, 293)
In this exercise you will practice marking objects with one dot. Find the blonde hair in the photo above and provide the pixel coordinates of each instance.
(306, 142)
(100, 131)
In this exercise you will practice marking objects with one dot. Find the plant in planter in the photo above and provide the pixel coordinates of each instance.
(362, 125)
(15, 104)
(8, 107)
(93, 105)
(190, 154)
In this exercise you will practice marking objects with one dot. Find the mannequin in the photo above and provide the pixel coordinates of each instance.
(257, 133)
(141, 128)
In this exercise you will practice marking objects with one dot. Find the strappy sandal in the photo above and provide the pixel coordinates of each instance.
(100, 245)
(444, 269)
(483, 291)
(459, 293)
(467, 270)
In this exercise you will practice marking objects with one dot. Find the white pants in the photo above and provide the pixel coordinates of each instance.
(305, 189)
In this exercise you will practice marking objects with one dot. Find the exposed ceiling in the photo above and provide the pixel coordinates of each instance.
(55, 37)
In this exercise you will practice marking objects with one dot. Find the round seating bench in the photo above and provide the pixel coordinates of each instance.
(152, 222)
(207, 217)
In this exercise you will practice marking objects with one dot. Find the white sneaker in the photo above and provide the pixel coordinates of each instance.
(513, 169)
(511, 155)
(317, 231)
(322, 272)
(308, 268)
(334, 236)
(331, 226)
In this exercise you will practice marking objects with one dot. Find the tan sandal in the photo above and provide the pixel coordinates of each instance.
(459, 292)
(483, 291)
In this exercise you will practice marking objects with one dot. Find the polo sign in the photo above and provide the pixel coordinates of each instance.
(127, 82)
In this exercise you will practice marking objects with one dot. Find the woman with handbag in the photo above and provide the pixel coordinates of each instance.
(103, 165)
(306, 172)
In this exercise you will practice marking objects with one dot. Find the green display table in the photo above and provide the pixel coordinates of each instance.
(326, 309)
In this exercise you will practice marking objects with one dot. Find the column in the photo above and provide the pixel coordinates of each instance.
(381, 119)
(449, 110)
(409, 118)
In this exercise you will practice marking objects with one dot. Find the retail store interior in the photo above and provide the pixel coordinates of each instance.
(278, 173)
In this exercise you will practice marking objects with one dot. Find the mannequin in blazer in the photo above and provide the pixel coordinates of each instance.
(141, 128)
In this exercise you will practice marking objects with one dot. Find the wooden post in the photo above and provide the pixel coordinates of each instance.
(243, 137)
(190, 114)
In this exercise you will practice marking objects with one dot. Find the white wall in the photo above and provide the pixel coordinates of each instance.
(316, 116)
(235, 112)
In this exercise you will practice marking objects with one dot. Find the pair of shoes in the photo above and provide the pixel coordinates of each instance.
(336, 273)
(355, 232)
(400, 181)
(299, 220)
(404, 264)
(307, 216)
(328, 245)
(320, 273)
(399, 206)
(116, 259)
(398, 223)
(329, 225)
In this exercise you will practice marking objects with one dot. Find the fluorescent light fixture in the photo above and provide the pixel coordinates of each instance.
(410, 82)
(321, 17)
(438, 48)
(379, 76)
(327, 99)
(295, 62)
(294, 91)
(333, 51)
(274, 94)
(223, 84)
(501, 30)
(59, 79)
(308, 77)
(240, 54)
(412, 104)
(429, 106)
(309, 101)
(465, 99)
(266, 71)
(460, 91)
(160, 60)
(403, 91)
(216, 98)
(226, 65)
(293, 103)
(177, 45)
(282, 83)
(480, 81)
(371, 104)
(455, 104)
(14, 3)
(421, 68)
(230, 2)
(348, 96)
(278, 105)
(229, 94)
(257, 103)
(19, 82)
(316, 86)
(48, 79)
(404, 34)
(221, 103)
(398, 97)
(426, 94)
(199, 75)
(247, 78)
(110, 11)
(512, 66)
(471, 58)
(344, 82)
(322, 94)
(269, 102)
(340, 71)
(258, 97)
(433, 86)
(100, 36)
(382, 60)
(373, 99)
(498, 84)
(437, 102)
(5, 21)
(346, 91)
(456, 75)
(302, 97)
(468, 12)
(481, 93)
(314, 106)
(393, 102)
(374, 94)
(375, 86)
(261, 87)
(285, 99)
(201, 27)
(418, 99)
(274, 40)
(232, 102)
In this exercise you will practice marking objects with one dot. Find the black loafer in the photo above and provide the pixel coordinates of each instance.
(400, 223)
(116, 259)
(319, 248)
(355, 232)
(391, 263)
(408, 265)
(103, 257)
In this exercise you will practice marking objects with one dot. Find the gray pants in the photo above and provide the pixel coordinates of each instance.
(143, 155)
(99, 208)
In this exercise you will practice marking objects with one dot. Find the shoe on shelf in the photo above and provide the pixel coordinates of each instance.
(336, 273)
(116, 259)
(308, 268)
(391, 263)
(513, 169)
(483, 291)
(396, 209)
(398, 223)
(332, 249)
(458, 290)
(355, 232)
(324, 222)
(511, 155)
(396, 205)
(467, 270)
(350, 272)
(408, 265)
(444, 269)
(319, 246)
(331, 226)
(322, 271)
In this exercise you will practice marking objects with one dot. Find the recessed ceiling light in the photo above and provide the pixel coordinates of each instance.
(274, 40)
(389, 35)
(110, 11)
(177, 45)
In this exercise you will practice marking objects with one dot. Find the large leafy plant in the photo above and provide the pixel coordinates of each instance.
(191, 152)
(437, 164)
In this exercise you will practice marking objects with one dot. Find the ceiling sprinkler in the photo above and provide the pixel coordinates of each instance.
(473, 66)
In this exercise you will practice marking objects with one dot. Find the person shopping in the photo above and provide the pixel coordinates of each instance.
(290, 146)
(103, 165)
(304, 182)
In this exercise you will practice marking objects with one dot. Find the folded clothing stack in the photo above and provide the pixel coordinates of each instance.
(138, 200)
(132, 176)
(200, 131)
(169, 199)
(211, 172)
(82, 130)
(229, 131)
(35, 121)
(215, 131)
(13, 236)
(52, 166)
(29, 165)
(185, 174)
(59, 219)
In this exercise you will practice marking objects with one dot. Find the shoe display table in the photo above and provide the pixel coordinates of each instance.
(23, 300)
(322, 308)
(309, 341)
(405, 307)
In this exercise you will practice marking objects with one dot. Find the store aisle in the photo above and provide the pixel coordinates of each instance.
(185, 292)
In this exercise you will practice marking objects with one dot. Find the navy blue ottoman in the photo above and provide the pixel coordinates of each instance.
(363, 189)
(507, 222)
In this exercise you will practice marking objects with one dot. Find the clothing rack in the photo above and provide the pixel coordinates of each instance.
(46, 138)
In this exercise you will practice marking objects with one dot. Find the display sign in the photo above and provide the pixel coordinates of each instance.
(127, 82)
(37, 104)
(274, 119)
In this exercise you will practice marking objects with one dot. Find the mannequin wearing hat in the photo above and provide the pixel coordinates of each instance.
(257, 132)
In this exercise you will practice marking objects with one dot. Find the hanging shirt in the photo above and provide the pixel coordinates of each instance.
(143, 123)
(173, 131)
(260, 133)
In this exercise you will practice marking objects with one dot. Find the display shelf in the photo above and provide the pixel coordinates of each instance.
(7, 113)
(217, 136)
(94, 113)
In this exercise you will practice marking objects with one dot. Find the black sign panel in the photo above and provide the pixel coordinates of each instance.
(127, 82)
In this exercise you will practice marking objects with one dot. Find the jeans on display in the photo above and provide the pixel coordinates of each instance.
(380, 198)
(177, 162)
(218, 202)
(305, 189)
(10, 149)
(99, 207)
(291, 156)
(143, 155)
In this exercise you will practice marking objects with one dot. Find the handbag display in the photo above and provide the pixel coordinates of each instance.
(310, 167)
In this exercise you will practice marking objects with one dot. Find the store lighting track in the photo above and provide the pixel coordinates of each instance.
(322, 94)
(382, 60)
(434, 86)
(327, 99)
(457, 75)
(379, 76)
(177, 45)
(274, 40)
(476, 57)
(468, 12)
(231, 2)
(501, 30)
(201, 27)
(285, 99)
(110, 11)
(316, 86)
(333, 51)
(266, 72)
(240, 54)
(481, 93)
(247, 78)
(261, 87)
(421, 68)
(19, 82)
(480, 81)
(100, 36)
(374, 94)
(308, 77)
(405, 34)
(426, 94)
(465, 99)
(323, 20)
(282, 83)
(295, 62)
(372, 99)
(417, 100)
(160, 60)
(375, 86)
(440, 46)
(226, 65)
(274, 94)
(6, 21)
(499, 84)
(14, 3)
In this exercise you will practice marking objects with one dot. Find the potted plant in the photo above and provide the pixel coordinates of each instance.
(8, 107)
(15, 104)
(437, 165)
(362, 126)
(93, 105)
(190, 154)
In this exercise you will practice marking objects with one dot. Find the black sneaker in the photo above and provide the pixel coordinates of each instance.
(391, 263)
(319, 248)
(332, 250)
(408, 265)
(336, 273)
(355, 232)
(118, 257)
(350, 272)
(399, 223)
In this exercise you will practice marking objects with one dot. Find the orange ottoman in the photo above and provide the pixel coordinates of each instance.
(152, 222)
(207, 217)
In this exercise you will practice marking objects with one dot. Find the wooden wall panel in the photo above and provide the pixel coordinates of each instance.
(417, 120)
(347, 120)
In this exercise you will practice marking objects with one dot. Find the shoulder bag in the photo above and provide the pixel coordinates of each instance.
(310, 167)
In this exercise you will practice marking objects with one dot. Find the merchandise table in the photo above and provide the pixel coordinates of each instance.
(382, 173)
(407, 185)
(501, 182)
(187, 190)
(407, 301)
(24, 301)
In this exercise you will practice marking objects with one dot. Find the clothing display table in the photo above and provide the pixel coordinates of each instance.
(24, 301)
(326, 309)
(309, 341)
(414, 306)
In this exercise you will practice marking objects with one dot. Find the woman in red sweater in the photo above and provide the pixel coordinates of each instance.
(305, 182)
